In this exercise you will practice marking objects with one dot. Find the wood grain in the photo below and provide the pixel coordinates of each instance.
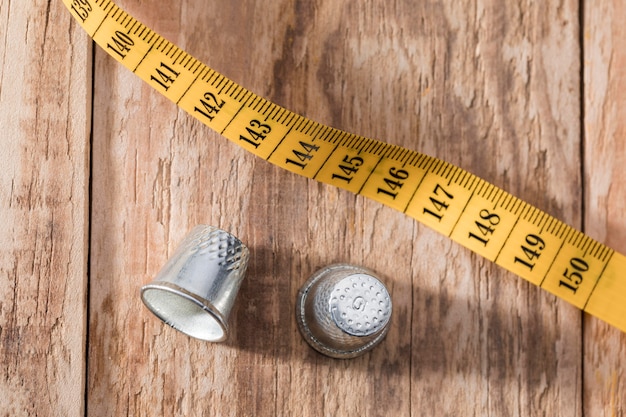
(481, 86)
(493, 87)
(605, 185)
(44, 120)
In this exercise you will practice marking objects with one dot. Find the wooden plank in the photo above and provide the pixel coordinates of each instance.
(500, 99)
(45, 96)
(493, 88)
(605, 186)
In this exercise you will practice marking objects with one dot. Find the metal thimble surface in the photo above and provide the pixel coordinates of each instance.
(195, 290)
(343, 311)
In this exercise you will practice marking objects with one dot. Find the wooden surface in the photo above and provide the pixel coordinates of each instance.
(100, 178)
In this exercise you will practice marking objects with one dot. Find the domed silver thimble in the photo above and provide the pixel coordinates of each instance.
(343, 311)
(195, 290)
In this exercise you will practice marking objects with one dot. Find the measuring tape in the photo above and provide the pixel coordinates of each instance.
(467, 209)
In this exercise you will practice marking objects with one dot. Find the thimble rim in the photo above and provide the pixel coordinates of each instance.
(212, 312)
(305, 330)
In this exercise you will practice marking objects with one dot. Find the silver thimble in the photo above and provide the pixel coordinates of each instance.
(195, 290)
(343, 311)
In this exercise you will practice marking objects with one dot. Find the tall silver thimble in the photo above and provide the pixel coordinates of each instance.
(195, 290)
(343, 311)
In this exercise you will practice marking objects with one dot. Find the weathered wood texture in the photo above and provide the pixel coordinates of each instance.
(45, 90)
(494, 87)
(490, 87)
(605, 191)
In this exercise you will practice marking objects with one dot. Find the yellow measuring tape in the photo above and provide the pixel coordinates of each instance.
(469, 210)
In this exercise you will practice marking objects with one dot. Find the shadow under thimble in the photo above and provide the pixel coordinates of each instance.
(195, 290)
(343, 311)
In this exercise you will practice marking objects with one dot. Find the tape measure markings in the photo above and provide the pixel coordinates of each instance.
(595, 284)
(471, 211)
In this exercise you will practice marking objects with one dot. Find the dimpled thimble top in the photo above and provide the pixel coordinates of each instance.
(343, 311)
(360, 305)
